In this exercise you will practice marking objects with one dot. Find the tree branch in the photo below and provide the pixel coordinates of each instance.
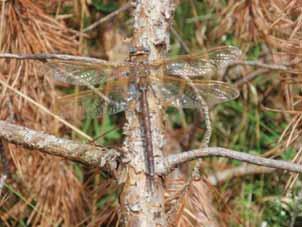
(240, 171)
(91, 60)
(61, 57)
(278, 67)
(72, 150)
(247, 78)
(175, 159)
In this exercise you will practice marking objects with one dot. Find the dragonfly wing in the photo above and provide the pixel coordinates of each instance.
(213, 92)
(200, 68)
(119, 95)
(224, 56)
(90, 104)
(179, 93)
(201, 65)
(83, 74)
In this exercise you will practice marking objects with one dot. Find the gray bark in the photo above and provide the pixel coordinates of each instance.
(140, 206)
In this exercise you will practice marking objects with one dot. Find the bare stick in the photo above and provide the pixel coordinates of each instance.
(180, 40)
(251, 76)
(61, 57)
(281, 67)
(259, 64)
(75, 151)
(175, 159)
(90, 60)
(240, 171)
(108, 17)
(265, 67)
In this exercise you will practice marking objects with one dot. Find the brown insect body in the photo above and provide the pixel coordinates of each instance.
(140, 74)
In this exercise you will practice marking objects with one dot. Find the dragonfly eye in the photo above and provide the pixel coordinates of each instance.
(125, 74)
(139, 51)
(146, 50)
(132, 50)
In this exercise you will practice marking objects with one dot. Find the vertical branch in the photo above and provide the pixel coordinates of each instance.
(140, 207)
(151, 22)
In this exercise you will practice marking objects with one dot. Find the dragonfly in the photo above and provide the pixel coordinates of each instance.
(118, 87)
(115, 84)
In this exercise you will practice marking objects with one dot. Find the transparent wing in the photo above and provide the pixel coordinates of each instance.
(224, 56)
(179, 93)
(201, 66)
(90, 104)
(84, 74)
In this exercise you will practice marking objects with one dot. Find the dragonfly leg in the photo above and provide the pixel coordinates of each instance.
(206, 137)
(204, 110)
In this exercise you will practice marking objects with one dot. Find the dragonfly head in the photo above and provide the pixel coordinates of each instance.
(125, 74)
(138, 51)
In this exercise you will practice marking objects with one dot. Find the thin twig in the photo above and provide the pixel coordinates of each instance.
(251, 76)
(72, 150)
(180, 40)
(243, 170)
(277, 67)
(108, 17)
(267, 66)
(90, 60)
(176, 159)
(280, 67)
(62, 57)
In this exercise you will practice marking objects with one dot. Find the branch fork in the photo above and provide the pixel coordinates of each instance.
(110, 158)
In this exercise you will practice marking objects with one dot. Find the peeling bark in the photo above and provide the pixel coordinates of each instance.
(72, 150)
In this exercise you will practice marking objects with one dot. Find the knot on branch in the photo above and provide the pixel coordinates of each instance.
(110, 159)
